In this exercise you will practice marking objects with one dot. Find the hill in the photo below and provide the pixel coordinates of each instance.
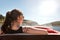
(56, 23)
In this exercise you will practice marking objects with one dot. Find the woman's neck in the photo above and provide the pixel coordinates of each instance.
(15, 27)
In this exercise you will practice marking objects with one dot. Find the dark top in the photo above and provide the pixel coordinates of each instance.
(10, 31)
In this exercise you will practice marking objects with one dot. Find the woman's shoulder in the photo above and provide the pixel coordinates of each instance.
(1, 32)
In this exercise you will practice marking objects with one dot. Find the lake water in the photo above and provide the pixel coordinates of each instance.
(56, 28)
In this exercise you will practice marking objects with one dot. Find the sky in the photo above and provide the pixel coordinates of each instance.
(41, 11)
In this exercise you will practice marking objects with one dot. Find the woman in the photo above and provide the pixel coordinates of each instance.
(13, 22)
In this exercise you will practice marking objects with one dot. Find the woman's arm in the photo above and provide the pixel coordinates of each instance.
(34, 31)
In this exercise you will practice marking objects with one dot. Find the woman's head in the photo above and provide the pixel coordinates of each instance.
(14, 16)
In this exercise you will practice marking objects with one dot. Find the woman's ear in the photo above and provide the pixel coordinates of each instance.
(18, 18)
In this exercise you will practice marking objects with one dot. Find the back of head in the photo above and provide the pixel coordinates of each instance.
(14, 14)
